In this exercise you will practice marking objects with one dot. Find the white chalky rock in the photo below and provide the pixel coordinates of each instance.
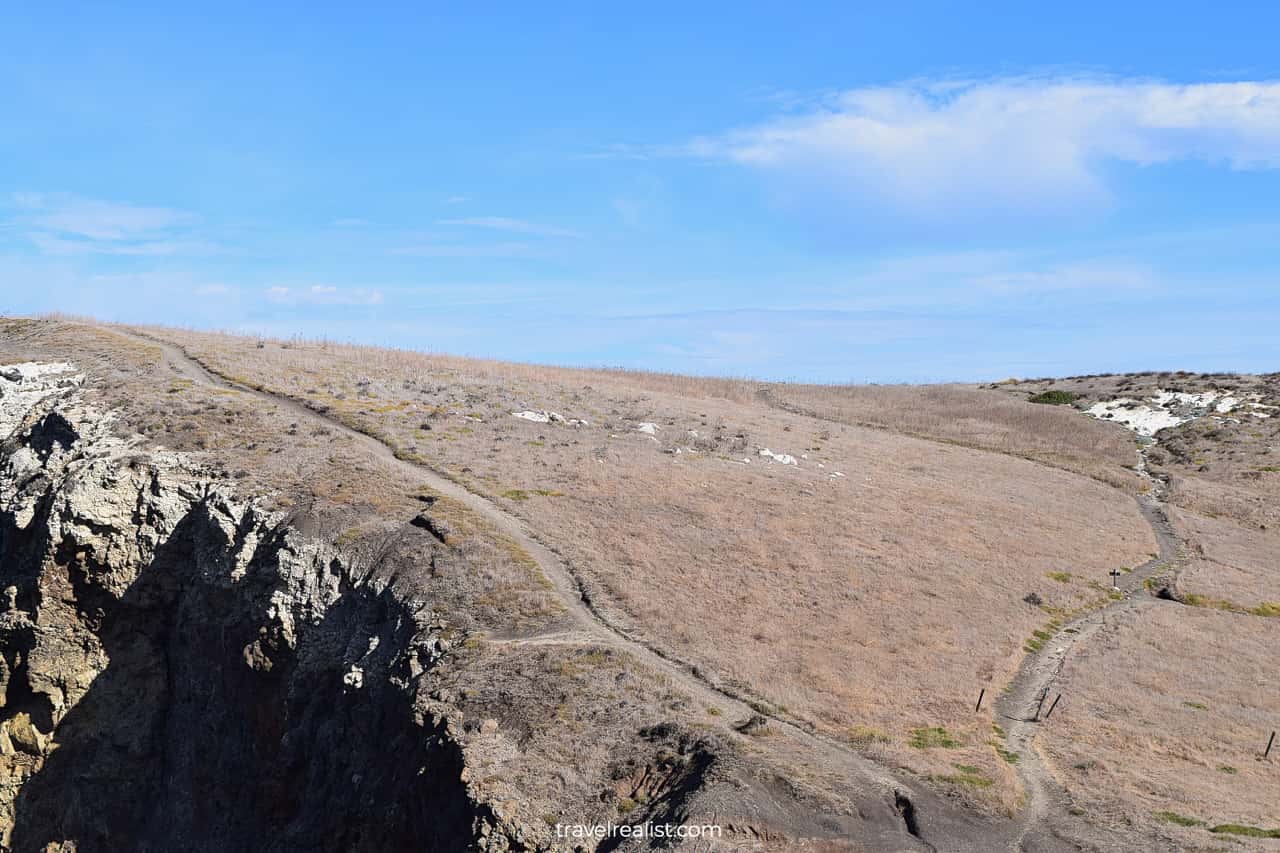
(24, 385)
(1168, 409)
(784, 458)
(543, 417)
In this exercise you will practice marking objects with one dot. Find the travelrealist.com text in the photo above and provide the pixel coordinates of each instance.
(636, 830)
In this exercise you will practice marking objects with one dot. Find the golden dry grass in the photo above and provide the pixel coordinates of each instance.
(872, 588)
(1167, 716)
(872, 604)
(981, 418)
(1234, 565)
(1222, 464)
(310, 472)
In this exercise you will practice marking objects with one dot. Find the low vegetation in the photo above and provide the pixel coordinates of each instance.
(1245, 831)
(1178, 820)
(931, 738)
(968, 776)
(1053, 398)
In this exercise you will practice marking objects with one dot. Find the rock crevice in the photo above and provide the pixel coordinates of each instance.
(182, 670)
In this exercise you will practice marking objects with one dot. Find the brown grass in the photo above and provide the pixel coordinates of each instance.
(873, 605)
(1168, 717)
(1232, 564)
(312, 473)
(980, 418)
(1223, 465)
(845, 601)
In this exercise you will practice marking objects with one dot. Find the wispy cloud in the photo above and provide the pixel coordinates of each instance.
(97, 220)
(322, 294)
(51, 244)
(436, 249)
(957, 149)
(977, 273)
(61, 224)
(517, 226)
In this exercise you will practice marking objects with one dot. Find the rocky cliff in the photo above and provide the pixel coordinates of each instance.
(182, 670)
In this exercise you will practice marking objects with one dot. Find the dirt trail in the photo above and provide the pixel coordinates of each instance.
(1027, 702)
(919, 819)
(1046, 824)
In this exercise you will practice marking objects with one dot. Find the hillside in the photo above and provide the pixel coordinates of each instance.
(560, 596)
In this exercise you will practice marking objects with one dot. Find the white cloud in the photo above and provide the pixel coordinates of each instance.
(503, 223)
(96, 220)
(323, 294)
(1014, 145)
(61, 224)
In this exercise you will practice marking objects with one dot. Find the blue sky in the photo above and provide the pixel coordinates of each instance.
(840, 192)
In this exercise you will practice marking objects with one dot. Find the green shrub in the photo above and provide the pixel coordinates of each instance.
(1247, 831)
(930, 737)
(1180, 820)
(1053, 398)
(968, 775)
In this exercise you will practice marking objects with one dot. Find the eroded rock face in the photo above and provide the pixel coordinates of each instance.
(179, 670)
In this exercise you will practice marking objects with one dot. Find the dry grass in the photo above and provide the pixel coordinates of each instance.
(1222, 465)
(1233, 564)
(312, 473)
(981, 418)
(873, 604)
(1167, 718)
(1248, 503)
(848, 601)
